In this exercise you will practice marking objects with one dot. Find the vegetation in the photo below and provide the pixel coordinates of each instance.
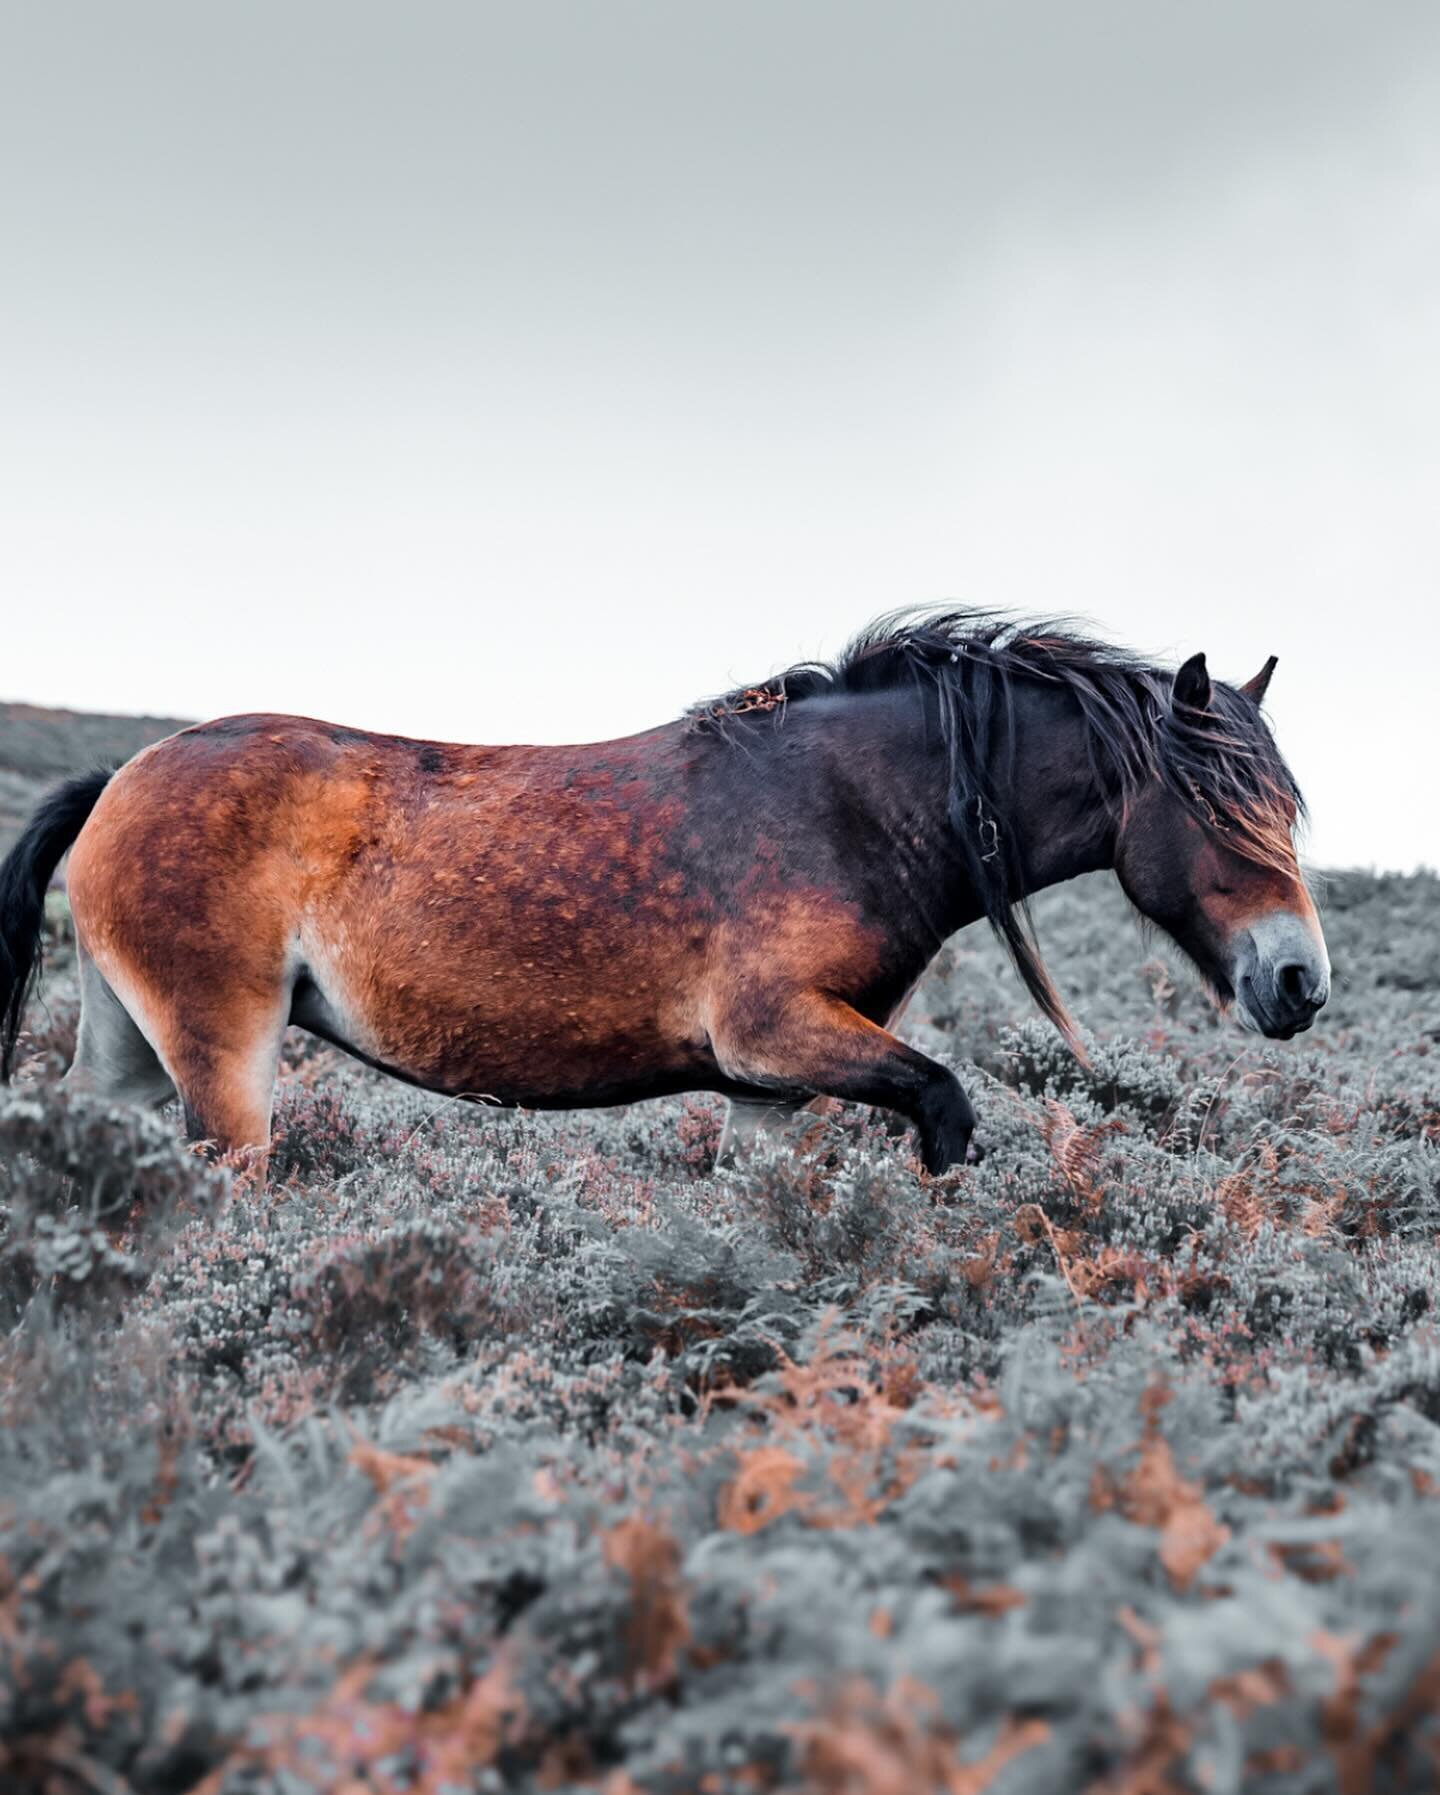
(490, 1451)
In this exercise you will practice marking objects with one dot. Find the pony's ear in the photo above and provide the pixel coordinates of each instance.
(1192, 684)
(1255, 689)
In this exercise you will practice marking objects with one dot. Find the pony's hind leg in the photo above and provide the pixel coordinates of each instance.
(221, 1051)
(113, 1059)
(227, 1083)
(225, 1080)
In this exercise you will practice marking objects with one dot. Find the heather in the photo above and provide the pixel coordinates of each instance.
(492, 1451)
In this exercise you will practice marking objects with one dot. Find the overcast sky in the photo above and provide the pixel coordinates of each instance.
(525, 372)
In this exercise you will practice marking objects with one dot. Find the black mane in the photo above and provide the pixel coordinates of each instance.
(1222, 763)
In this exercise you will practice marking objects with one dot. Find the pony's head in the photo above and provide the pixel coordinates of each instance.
(1206, 851)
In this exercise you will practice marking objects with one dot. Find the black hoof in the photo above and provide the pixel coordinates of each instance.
(944, 1156)
(947, 1129)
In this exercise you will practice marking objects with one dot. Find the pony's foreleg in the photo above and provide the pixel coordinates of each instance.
(819, 1043)
(748, 1118)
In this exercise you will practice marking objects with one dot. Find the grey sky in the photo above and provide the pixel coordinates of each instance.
(528, 371)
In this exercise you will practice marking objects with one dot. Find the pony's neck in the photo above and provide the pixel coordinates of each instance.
(1051, 816)
(1065, 823)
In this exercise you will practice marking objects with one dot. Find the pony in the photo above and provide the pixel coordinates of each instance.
(739, 901)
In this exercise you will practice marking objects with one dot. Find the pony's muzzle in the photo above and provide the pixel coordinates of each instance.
(1282, 975)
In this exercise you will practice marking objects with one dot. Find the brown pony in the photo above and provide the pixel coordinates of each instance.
(740, 901)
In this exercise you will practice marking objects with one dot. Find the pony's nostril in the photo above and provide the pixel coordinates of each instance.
(1297, 986)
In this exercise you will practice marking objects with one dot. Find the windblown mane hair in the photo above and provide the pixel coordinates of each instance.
(1221, 763)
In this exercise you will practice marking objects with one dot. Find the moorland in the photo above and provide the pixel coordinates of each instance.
(521, 1451)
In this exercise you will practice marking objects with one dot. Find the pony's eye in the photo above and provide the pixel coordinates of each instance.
(1223, 890)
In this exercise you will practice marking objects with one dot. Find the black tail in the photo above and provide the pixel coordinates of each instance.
(25, 876)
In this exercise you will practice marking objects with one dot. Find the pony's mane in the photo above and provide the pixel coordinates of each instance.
(1222, 763)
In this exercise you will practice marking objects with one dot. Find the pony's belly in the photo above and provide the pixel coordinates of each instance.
(529, 1046)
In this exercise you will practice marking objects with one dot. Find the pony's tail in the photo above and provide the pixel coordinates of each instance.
(25, 876)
